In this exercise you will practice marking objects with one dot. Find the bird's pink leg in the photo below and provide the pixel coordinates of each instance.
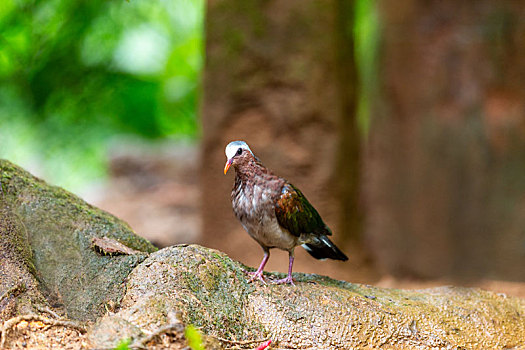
(259, 273)
(289, 279)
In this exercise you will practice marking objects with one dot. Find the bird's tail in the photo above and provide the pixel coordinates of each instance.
(323, 248)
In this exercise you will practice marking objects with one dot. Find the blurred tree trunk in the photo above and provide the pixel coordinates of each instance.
(446, 162)
(280, 75)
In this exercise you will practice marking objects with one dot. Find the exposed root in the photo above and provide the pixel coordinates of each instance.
(47, 310)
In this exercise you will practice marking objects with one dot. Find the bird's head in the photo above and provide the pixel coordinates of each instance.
(237, 152)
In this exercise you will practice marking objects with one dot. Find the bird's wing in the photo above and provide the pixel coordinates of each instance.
(296, 214)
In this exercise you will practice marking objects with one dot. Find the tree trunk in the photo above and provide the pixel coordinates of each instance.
(280, 75)
(446, 160)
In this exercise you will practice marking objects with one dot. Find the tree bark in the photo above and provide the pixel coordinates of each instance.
(445, 163)
(280, 75)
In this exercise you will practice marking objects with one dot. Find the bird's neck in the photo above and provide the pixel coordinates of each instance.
(246, 172)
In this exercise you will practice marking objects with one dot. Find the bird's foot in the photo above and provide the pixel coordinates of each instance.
(287, 280)
(256, 275)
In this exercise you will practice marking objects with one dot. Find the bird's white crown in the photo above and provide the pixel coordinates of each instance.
(233, 146)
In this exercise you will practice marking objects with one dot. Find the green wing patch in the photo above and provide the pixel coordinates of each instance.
(296, 214)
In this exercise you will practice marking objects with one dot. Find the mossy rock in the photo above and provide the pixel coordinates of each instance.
(210, 291)
(53, 230)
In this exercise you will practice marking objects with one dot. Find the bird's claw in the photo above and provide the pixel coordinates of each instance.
(287, 280)
(255, 275)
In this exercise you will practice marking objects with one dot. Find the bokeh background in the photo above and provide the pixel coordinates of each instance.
(403, 122)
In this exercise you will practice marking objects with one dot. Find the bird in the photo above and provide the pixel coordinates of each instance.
(274, 212)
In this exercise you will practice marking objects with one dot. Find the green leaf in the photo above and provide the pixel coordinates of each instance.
(123, 344)
(194, 338)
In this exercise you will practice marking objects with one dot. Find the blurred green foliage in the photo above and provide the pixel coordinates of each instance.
(366, 38)
(75, 73)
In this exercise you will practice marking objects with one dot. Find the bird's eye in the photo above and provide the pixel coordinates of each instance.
(239, 151)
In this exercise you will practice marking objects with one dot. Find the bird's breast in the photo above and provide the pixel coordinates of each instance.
(254, 207)
(252, 202)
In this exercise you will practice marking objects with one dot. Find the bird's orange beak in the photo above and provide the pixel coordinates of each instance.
(227, 166)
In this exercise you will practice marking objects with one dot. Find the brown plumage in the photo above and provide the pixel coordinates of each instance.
(274, 212)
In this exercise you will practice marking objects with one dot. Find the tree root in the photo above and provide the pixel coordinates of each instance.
(47, 310)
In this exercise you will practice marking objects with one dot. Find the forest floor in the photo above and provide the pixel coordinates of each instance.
(39, 335)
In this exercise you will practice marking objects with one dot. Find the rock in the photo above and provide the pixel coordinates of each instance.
(210, 291)
(46, 236)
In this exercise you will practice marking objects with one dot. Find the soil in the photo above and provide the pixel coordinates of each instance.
(38, 335)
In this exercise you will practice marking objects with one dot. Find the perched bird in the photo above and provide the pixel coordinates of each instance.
(274, 212)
